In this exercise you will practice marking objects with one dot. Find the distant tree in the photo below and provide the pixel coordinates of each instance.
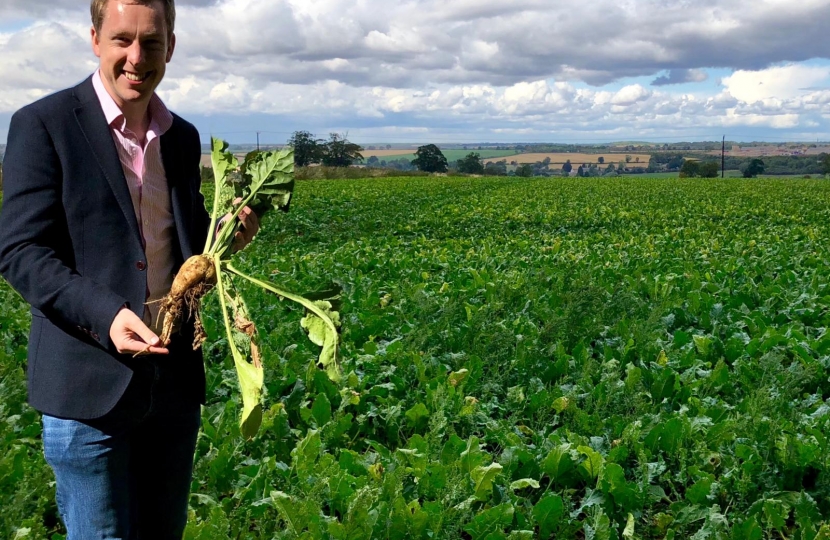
(540, 168)
(674, 163)
(567, 167)
(429, 158)
(525, 170)
(471, 164)
(496, 168)
(389, 147)
(339, 152)
(401, 164)
(754, 168)
(580, 171)
(710, 169)
(600, 160)
(373, 161)
(307, 149)
(637, 159)
(628, 159)
(591, 170)
(825, 163)
(689, 169)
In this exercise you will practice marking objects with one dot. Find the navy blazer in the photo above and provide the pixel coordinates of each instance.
(70, 244)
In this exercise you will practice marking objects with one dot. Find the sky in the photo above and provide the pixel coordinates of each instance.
(463, 71)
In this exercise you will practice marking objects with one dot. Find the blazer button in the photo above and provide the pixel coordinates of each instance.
(141, 265)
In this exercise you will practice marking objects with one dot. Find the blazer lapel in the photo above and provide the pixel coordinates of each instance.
(180, 199)
(94, 126)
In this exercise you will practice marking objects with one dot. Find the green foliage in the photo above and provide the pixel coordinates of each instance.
(690, 169)
(780, 165)
(351, 173)
(652, 353)
(429, 158)
(709, 169)
(307, 148)
(524, 170)
(471, 164)
(339, 152)
(753, 169)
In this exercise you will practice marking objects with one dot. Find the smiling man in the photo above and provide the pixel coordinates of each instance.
(101, 206)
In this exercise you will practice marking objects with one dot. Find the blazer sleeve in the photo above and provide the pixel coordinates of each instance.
(32, 220)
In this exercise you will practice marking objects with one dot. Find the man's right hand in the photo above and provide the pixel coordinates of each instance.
(129, 335)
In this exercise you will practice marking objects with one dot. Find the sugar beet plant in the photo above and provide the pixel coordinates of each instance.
(264, 182)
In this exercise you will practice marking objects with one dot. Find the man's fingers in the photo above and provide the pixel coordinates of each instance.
(129, 334)
(141, 349)
(147, 336)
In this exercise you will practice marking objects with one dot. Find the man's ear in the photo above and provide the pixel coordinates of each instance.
(171, 47)
(96, 42)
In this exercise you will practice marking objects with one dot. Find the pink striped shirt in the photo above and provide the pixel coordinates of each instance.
(144, 171)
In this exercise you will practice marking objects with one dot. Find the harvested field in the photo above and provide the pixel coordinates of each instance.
(205, 160)
(451, 154)
(575, 158)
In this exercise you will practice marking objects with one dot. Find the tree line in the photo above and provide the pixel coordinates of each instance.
(338, 151)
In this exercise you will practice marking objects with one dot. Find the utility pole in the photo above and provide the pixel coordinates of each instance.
(723, 158)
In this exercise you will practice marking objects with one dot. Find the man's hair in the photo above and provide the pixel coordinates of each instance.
(97, 8)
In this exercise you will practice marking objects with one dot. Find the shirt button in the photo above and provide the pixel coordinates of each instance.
(141, 265)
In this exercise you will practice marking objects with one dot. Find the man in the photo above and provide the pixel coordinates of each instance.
(101, 206)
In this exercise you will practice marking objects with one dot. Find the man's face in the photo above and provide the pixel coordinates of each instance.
(134, 49)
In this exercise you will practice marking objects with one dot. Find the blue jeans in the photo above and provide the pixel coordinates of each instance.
(127, 474)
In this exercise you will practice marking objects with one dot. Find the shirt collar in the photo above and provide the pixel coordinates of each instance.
(161, 119)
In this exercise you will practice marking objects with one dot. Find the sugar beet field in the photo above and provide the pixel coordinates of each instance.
(525, 358)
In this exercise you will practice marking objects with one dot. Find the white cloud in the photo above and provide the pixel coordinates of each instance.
(776, 83)
(630, 95)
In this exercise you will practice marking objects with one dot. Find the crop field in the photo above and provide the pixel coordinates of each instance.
(559, 158)
(382, 154)
(525, 358)
(451, 155)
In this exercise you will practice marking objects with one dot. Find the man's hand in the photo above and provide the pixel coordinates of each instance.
(130, 335)
(250, 226)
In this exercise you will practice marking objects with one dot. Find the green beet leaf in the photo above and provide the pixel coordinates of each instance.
(547, 513)
(268, 180)
(492, 520)
(324, 334)
(483, 479)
